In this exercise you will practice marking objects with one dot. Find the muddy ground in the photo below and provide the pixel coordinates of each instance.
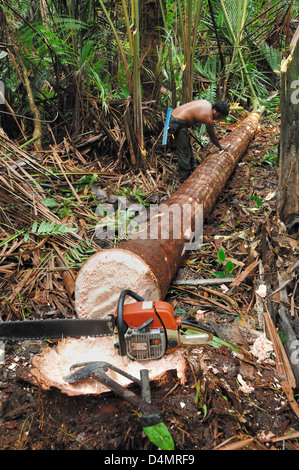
(226, 400)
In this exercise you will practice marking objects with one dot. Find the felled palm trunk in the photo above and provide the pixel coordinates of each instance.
(147, 264)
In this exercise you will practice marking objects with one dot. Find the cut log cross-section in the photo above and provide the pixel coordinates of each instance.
(147, 264)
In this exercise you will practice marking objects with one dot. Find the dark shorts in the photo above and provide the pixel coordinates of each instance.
(175, 125)
(179, 129)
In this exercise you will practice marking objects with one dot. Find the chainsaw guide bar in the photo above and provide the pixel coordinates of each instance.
(142, 330)
(55, 328)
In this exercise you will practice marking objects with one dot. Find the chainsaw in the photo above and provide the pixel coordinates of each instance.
(142, 330)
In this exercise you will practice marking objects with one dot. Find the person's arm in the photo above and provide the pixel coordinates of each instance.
(212, 135)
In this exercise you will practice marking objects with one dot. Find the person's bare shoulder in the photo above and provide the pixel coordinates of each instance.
(205, 113)
(194, 112)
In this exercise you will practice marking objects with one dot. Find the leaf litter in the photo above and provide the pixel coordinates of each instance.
(240, 392)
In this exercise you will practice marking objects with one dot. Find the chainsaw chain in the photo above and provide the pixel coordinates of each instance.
(55, 328)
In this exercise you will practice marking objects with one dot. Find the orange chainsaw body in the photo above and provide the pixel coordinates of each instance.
(148, 329)
(137, 313)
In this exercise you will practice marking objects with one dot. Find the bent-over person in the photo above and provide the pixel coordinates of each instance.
(188, 115)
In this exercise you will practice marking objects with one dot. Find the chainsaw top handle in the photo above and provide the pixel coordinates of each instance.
(120, 318)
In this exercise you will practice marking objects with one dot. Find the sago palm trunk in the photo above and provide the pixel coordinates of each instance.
(148, 263)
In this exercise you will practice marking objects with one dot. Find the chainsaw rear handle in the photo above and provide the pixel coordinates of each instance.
(194, 325)
(120, 318)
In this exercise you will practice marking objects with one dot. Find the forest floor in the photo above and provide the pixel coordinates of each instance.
(226, 400)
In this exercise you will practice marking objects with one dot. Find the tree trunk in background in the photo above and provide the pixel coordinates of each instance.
(137, 95)
(37, 131)
(151, 24)
(288, 202)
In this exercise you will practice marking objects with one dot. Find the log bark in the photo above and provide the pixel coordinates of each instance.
(288, 200)
(147, 264)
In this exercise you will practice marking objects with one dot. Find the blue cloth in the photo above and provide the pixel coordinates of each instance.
(165, 133)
